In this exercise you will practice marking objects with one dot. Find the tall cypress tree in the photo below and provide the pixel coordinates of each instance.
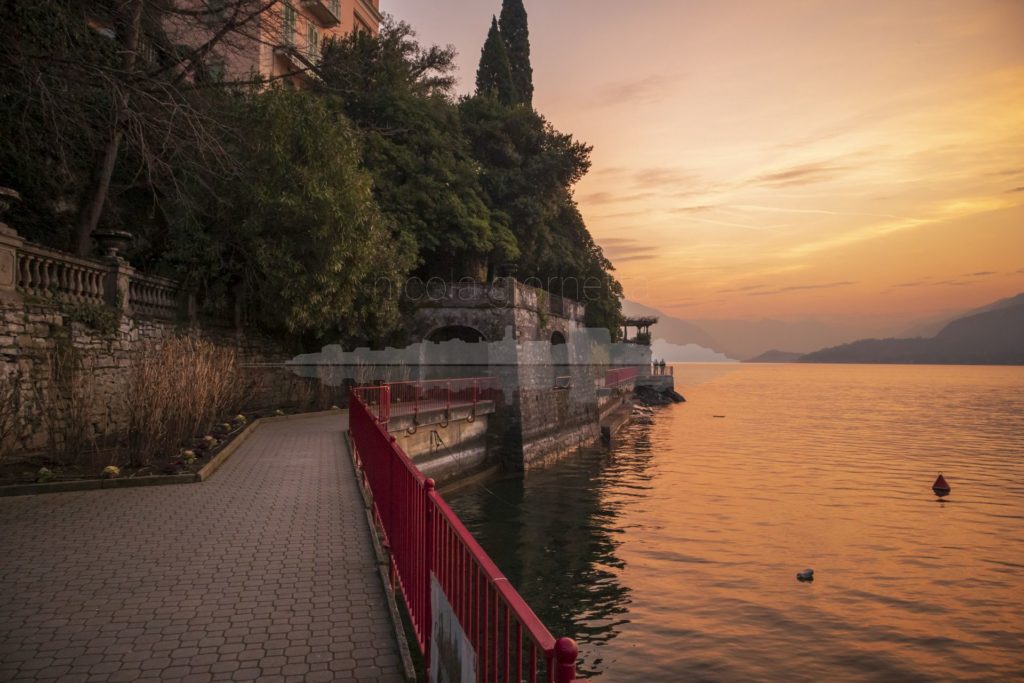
(494, 74)
(515, 31)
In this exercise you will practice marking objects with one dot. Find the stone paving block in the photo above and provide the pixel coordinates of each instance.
(264, 572)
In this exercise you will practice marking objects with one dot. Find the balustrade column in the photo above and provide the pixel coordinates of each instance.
(10, 243)
(117, 284)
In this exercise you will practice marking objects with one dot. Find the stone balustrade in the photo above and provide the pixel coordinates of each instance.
(50, 274)
(153, 296)
(31, 271)
(501, 293)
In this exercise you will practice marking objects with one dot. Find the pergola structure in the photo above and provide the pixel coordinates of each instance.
(642, 325)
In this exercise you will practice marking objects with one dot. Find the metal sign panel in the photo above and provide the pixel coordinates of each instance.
(452, 658)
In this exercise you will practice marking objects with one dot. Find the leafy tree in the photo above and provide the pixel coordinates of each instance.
(515, 33)
(528, 170)
(425, 178)
(494, 75)
(294, 235)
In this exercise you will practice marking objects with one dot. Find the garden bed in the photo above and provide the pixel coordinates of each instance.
(39, 474)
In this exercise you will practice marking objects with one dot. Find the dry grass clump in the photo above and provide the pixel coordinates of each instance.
(178, 389)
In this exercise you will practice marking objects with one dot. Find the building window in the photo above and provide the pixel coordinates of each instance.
(312, 40)
(289, 25)
(216, 70)
(336, 8)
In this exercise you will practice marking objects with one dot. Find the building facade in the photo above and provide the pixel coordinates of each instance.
(279, 43)
(294, 33)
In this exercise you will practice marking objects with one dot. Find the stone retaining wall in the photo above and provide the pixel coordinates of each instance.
(70, 328)
(41, 345)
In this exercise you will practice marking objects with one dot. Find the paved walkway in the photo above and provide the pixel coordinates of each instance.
(265, 571)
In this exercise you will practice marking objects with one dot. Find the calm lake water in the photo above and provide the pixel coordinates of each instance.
(672, 556)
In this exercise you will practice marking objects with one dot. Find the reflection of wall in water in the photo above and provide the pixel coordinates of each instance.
(555, 535)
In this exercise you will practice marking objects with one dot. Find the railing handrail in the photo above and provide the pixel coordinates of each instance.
(530, 621)
(416, 393)
(425, 537)
(157, 280)
(619, 375)
(62, 256)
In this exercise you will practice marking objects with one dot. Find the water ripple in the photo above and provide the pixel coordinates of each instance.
(672, 555)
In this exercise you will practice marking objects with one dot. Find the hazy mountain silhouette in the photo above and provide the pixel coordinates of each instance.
(930, 328)
(992, 337)
(744, 339)
(671, 329)
(776, 356)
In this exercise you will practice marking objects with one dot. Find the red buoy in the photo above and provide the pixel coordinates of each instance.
(941, 486)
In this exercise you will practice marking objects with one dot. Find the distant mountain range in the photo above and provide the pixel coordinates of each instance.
(741, 339)
(811, 340)
(931, 327)
(776, 356)
(994, 337)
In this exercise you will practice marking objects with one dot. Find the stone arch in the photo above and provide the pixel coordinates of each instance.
(465, 333)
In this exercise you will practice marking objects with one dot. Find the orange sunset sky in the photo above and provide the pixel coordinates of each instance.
(785, 158)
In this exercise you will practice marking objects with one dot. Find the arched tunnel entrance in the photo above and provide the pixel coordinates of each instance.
(470, 335)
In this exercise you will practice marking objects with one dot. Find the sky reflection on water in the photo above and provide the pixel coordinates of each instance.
(674, 553)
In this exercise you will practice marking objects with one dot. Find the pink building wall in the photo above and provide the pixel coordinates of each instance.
(262, 47)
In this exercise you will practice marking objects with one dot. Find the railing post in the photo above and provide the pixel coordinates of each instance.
(565, 660)
(428, 562)
(384, 415)
(448, 406)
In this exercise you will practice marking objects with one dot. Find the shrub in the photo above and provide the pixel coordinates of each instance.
(177, 389)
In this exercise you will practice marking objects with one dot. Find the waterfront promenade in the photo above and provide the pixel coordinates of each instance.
(265, 571)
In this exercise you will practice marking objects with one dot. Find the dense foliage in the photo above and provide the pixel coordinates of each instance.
(291, 208)
(425, 178)
(294, 235)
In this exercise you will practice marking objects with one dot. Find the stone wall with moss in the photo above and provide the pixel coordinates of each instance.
(60, 358)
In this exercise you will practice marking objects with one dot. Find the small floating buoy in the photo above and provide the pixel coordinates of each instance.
(805, 575)
(941, 487)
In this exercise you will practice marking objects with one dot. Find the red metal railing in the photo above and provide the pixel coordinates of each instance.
(426, 539)
(613, 377)
(415, 398)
